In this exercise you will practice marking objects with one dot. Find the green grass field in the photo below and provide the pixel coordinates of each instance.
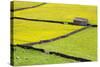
(81, 44)
(33, 57)
(33, 31)
(60, 12)
(23, 4)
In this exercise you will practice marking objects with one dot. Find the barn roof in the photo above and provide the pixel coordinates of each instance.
(81, 19)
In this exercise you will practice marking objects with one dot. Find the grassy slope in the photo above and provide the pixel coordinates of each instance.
(23, 4)
(60, 12)
(32, 31)
(32, 57)
(82, 44)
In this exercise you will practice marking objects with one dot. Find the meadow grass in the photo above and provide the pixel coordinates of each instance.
(32, 31)
(23, 4)
(32, 57)
(82, 44)
(60, 12)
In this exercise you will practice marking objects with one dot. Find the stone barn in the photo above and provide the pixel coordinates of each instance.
(80, 21)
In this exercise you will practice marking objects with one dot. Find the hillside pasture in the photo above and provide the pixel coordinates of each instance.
(82, 44)
(23, 4)
(32, 31)
(24, 57)
(60, 12)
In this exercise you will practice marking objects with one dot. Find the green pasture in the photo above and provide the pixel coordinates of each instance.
(32, 31)
(60, 12)
(23, 4)
(82, 44)
(24, 57)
